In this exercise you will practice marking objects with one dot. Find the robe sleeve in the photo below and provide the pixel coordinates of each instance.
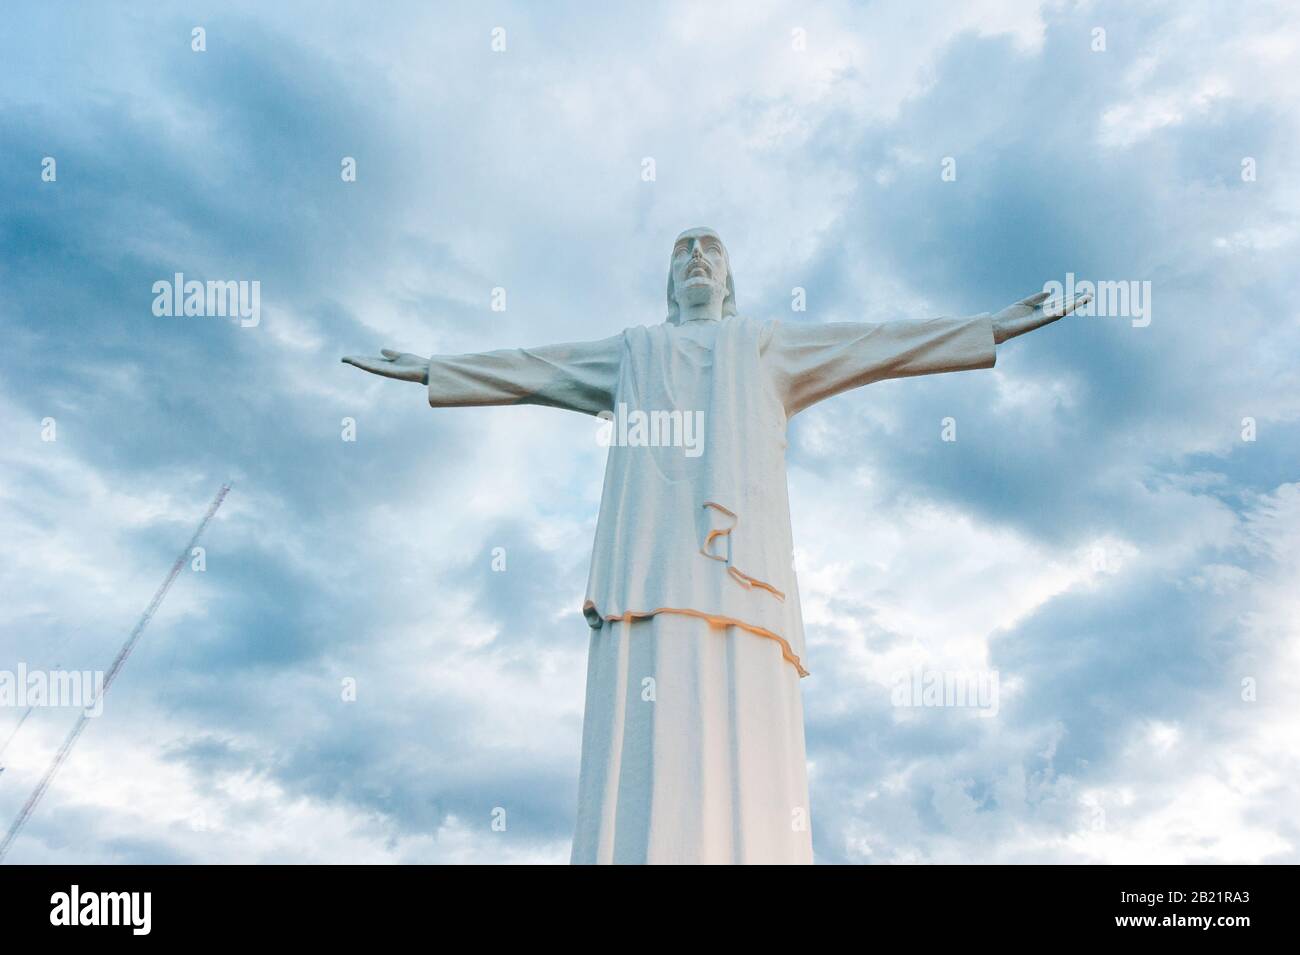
(813, 362)
(581, 376)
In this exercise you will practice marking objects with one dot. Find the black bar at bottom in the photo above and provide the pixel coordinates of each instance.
(221, 904)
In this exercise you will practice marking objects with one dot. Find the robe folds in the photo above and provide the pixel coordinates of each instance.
(692, 579)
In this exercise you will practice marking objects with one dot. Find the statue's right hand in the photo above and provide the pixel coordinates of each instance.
(400, 365)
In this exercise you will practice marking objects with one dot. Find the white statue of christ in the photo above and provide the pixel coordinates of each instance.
(693, 739)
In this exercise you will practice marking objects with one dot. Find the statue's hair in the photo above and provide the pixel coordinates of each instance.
(728, 303)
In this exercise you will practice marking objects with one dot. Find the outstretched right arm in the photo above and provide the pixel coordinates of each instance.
(581, 376)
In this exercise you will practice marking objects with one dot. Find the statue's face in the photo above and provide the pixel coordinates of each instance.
(699, 267)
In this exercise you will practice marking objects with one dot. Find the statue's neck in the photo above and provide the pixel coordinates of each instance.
(699, 312)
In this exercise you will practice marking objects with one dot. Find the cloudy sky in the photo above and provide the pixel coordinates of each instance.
(1101, 534)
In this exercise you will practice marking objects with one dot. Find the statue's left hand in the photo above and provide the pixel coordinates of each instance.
(1031, 313)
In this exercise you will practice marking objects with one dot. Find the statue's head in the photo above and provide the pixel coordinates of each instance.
(699, 273)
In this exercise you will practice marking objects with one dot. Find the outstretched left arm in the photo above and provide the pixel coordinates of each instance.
(813, 362)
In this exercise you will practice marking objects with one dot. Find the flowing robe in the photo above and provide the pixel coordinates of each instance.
(693, 742)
